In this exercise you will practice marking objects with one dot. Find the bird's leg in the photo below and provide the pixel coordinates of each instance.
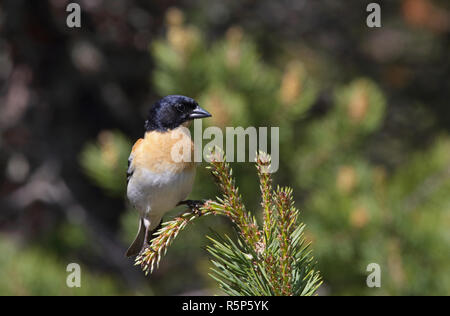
(148, 234)
(194, 205)
(145, 244)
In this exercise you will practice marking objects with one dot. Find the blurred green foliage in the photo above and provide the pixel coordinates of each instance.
(38, 272)
(357, 210)
(103, 161)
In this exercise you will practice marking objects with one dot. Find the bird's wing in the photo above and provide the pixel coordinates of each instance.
(130, 159)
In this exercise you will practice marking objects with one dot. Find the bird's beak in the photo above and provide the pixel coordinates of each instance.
(199, 112)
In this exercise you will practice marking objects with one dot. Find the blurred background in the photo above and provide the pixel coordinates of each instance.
(364, 121)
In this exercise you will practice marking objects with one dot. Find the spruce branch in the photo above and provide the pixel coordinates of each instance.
(231, 200)
(286, 221)
(151, 256)
(263, 161)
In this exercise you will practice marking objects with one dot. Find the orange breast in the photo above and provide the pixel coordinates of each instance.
(172, 151)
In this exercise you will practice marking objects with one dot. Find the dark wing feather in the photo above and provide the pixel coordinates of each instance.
(130, 159)
(130, 169)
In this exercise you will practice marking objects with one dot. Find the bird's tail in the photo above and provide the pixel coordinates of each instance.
(138, 242)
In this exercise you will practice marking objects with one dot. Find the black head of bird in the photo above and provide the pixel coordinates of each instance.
(172, 111)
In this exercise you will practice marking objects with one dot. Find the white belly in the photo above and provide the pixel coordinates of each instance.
(154, 194)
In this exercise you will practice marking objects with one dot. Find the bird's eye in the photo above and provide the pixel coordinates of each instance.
(179, 107)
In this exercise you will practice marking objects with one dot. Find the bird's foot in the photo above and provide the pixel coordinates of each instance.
(146, 246)
(194, 205)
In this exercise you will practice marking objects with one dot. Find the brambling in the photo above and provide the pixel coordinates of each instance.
(156, 182)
